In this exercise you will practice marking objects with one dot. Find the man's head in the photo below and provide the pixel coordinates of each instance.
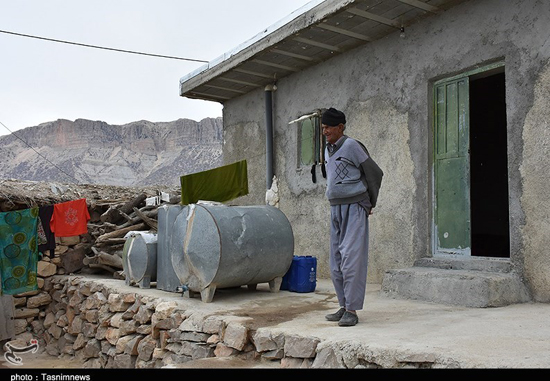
(334, 124)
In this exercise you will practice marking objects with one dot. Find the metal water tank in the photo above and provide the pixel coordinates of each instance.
(219, 246)
(139, 259)
(167, 279)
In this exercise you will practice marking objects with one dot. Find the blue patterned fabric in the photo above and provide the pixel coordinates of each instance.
(18, 250)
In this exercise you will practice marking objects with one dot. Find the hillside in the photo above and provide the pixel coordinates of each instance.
(94, 152)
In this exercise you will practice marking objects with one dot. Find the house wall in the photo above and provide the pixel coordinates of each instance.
(385, 90)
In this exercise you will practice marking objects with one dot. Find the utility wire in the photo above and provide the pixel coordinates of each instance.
(101, 47)
(39, 154)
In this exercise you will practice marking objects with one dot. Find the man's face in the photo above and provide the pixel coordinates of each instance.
(333, 133)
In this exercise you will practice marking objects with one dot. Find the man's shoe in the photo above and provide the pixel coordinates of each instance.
(348, 319)
(336, 316)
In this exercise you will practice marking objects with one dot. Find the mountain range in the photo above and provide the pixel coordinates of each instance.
(93, 152)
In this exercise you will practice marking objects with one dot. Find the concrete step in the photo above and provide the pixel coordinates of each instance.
(464, 282)
(453, 262)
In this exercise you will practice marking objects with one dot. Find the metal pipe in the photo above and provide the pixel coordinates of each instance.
(269, 89)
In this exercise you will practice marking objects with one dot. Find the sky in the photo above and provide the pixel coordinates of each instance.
(42, 81)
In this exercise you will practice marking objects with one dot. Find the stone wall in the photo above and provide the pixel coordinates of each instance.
(30, 305)
(107, 329)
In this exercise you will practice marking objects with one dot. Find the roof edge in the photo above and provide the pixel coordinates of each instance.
(312, 13)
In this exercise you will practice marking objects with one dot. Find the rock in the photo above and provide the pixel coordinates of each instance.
(275, 354)
(144, 329)
(112, 335)
(146, 347)
(132, 310)
(117, 303)
(195, 322)
(163, 311)
(143, 314)
(104, 317)
(76, 326)
(163, 338)
(196, 350)
(290, 362)
(60, 249)
(106, 347)
(95, 301)
(49, 320)
(45, 269)
(85, 289)
(223, 350)
(197, 337)
(122, 342)
(89, 329)
(327, 358)
(41, 299)
(213, 339)
(70, 314)
(19, 326)
(52, 349)
(128, 326)
(21, 313)
(92, 316)
(80, 342)
(213, 325)
(55, 330)
(129, 298)
(236, 336)
(19, 302)
(116, 320)
(124, 361)
(63, 321)
(263, 341)
(131, 346)
(302, 347)
(159, 353)
(101, 332)
(76, 299)
(140, 364)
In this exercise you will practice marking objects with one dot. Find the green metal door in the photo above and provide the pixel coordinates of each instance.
(452, 167)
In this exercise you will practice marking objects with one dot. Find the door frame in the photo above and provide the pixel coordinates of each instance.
(486, 69)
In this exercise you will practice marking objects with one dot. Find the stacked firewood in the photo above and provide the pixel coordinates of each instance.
(111, 220)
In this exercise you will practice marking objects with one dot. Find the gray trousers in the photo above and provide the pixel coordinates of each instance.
(349, 246)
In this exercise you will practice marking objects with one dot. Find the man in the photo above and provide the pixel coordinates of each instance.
(353, 181)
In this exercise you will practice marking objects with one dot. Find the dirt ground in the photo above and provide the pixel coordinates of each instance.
(41, 360)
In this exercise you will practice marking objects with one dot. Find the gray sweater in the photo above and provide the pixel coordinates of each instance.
(352, 175)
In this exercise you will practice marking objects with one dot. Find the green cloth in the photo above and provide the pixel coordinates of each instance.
(218, 184)
(18, 250)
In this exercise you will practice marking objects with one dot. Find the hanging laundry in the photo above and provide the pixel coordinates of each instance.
(46, 238)
(18, 251)
(218, 184)
(70, 218)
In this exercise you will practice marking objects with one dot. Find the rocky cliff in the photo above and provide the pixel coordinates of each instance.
(94, 152)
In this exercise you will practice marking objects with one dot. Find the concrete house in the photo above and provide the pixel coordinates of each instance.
(450, 97)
